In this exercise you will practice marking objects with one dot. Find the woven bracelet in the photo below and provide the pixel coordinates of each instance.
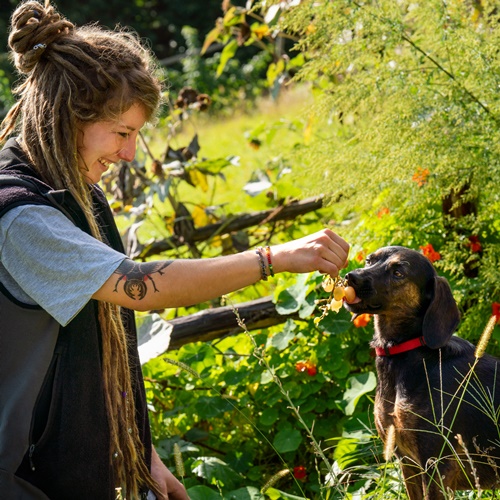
(269, 262)
(263, 272)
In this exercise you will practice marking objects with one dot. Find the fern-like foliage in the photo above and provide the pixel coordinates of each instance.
(409, 95)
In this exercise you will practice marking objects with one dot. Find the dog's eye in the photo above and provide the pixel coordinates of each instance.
(398, 274)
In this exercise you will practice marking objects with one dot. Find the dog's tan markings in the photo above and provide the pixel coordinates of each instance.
(411, 294)
(406, 421)
(408, 291)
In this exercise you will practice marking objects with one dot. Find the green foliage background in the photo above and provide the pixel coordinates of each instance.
(405, 86)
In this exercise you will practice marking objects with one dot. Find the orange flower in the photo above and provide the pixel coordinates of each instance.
(430, 253)
(306, 366)
(420, 176)
(495, 311)
(383, 211)
(362, 320)
(474, 244)
(360, 256)
(299, 472)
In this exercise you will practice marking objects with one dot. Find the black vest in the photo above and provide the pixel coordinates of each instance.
(69, 444)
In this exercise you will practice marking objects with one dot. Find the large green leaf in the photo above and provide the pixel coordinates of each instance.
(248, 493)
(216, 471)
(283, 338)
(153, 334)
(269, 416)
(358, 385)
(197, 356)
(287, 440)
(207, 407)
(295, 299)
(202, 493)
(336, 323)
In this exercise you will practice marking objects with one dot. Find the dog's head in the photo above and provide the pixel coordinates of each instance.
(401, 287)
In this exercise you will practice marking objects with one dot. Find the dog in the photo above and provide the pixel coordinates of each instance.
(437, 405)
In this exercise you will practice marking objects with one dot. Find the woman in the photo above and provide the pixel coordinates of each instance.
(73, 415)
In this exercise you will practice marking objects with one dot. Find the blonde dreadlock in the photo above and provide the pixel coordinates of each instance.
(73, 77)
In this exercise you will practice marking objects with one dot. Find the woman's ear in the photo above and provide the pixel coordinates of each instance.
(442, 316)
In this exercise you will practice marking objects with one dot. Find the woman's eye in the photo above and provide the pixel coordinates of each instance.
(125, 135)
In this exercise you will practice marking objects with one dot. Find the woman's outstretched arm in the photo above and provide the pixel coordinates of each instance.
(152, 285)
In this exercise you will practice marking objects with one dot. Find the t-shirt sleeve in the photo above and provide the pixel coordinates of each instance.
(54, 262)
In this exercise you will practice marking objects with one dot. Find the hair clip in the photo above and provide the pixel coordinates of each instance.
(39, 46)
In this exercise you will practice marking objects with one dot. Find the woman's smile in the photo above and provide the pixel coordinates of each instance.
(104, 143)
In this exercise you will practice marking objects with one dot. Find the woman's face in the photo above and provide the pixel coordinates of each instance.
(101, 144)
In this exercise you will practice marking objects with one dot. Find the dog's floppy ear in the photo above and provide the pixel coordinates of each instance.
(442, 316)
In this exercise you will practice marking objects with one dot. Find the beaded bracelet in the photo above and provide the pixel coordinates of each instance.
(263, 272)
(269, 262)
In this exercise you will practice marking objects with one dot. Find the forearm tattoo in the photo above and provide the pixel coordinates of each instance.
(134, 276)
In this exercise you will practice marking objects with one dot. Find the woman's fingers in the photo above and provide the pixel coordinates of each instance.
(324, 251)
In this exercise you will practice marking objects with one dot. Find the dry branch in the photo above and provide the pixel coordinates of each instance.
(216, 323)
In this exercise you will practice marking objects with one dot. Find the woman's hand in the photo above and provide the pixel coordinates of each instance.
(170, 486)
(324, 251)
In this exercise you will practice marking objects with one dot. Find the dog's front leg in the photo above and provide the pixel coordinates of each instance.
(440, 480)
(430, 484)
(413, 478)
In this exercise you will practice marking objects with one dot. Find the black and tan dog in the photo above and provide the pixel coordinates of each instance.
(442, 418)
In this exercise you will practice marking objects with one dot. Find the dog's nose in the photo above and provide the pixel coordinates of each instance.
(352, 278)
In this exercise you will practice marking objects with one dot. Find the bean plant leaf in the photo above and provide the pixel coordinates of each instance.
(283, 338)
(358, 386)
(210, 407)
(335, 323)
(215, 471)
(295, 299)
(153, 335)
(202, 493)
(269, 416)
(197, 357)
(287, 440)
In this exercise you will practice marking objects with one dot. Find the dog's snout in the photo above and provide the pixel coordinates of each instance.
(352, 278)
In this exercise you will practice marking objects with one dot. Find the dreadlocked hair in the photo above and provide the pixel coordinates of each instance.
(74, 76)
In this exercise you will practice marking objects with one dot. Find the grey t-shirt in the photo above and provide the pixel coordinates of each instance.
(46, 260)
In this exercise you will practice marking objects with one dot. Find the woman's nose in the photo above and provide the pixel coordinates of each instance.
(127, 153)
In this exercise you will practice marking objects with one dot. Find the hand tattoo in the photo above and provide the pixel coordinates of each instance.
(135, 276)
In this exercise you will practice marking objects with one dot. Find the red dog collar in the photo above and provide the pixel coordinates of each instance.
(398, 349)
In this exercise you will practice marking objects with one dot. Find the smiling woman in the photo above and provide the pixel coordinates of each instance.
(75, 402)
(102, 144)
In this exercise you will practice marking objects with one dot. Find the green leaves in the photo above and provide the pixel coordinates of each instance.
(227, 53)
(153, 335)
(287, 440)
(358, 385)
(297, 298)
(216, 471)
